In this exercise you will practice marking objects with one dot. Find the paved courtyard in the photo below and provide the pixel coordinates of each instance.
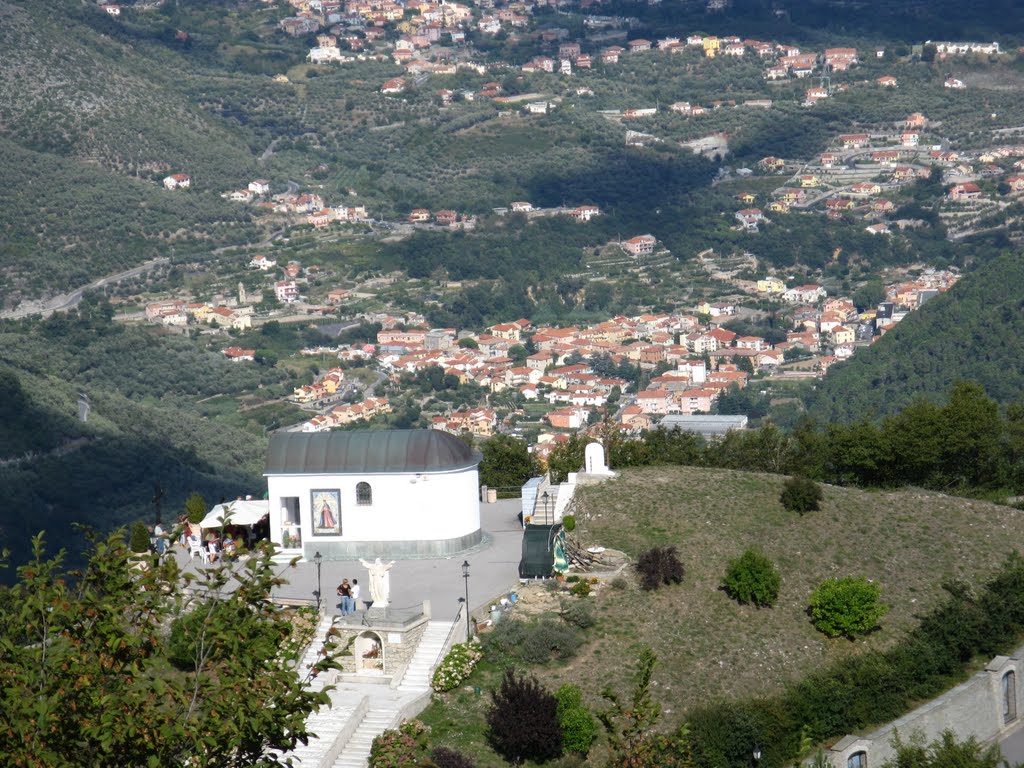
(493, 571)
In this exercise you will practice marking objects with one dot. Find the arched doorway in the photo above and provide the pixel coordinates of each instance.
(369, 653)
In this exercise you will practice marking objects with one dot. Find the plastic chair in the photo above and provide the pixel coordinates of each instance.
(195, 547)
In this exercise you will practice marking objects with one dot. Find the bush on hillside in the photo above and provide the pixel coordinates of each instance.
(659, 566)
(535, 642)
(577, 613)
(449, 758)
(456, 666)
(579, 728)
(752, 579)
(943, 752)
(401, 747)
(801, 495)
(846, 607)
(580, 589)
(522, 721)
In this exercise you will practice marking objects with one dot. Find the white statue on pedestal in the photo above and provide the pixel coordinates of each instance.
(380, 581)
(593, 460)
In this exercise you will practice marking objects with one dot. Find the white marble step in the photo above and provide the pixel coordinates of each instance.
(421, 666)
(357, 748)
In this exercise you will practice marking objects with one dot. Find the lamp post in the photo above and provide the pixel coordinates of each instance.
(757, 755)
(545, 497)
(465, 576)
(318, 559)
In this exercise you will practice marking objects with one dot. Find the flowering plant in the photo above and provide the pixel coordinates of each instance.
(456, 666)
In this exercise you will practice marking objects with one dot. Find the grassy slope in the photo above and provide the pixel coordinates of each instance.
(708, 646)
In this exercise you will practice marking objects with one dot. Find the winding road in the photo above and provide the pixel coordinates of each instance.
(65, 301)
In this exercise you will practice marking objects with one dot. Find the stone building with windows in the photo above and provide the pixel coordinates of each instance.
(383, 493)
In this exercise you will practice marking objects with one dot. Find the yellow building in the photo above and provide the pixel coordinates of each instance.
(711, 46)
(770, 285)
(841, 335)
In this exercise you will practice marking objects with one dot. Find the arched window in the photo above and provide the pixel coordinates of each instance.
(857, 760)
(364, 494)
(1009, 697)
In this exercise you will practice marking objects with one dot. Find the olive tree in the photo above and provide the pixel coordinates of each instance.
(88, 678)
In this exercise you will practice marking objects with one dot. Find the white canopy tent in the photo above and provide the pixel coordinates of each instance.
(241, 512)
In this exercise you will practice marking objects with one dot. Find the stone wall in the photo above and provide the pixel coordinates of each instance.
(987, 706)
(399, 645)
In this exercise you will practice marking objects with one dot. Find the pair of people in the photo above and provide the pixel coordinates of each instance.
(349, 594)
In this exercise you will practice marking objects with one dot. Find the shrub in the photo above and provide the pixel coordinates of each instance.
(577, 613)
(579, 729)
(569, 523)
(846, 607)
(531, 642)
(944, 751)
(449, 758)
(752, 578)
(550, 639)
(619, 583)
(506, 638)
(195, 507)
(401, 747)
(800, 495)
(522, 721)
(572, 579)
(580, 589)
(456, 666)
(139, 541)
(658, 566)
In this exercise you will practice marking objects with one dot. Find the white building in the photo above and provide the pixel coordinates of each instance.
(286, 291)
(177, 181)
(321, 55)
(375, 493)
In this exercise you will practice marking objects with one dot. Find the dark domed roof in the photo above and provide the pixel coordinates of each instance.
(366, 451)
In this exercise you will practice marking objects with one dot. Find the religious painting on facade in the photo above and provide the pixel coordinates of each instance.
(326, 512)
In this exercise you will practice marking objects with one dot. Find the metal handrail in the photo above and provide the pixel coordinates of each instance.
(447, 645)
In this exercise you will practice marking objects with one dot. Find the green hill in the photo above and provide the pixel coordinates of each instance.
(70, 87)
(709, 647)
(164, 411)
(973, 332)
(57, 471)
(91, 124)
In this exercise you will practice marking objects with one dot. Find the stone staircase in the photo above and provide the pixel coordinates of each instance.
(380, 717)
(386, 711)
(328, 724)
(361, 711)
(418, 674)
(312, 654)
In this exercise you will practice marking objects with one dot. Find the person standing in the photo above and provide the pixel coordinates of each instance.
(345, 591)
(355, 595)
(159, 540)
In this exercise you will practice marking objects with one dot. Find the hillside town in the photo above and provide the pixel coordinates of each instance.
(563, 379)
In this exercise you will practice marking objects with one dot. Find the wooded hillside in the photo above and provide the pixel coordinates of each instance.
(973, 332)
